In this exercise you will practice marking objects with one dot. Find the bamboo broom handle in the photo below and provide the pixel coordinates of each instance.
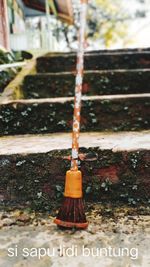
(78, 86)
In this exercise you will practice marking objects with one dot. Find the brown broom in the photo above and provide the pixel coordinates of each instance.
(71, 214)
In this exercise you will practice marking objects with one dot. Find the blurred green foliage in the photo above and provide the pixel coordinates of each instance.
(107, 24)
(107, 21)
(9, 57)
(8, 74)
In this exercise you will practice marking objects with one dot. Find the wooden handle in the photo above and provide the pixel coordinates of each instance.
(78, 86)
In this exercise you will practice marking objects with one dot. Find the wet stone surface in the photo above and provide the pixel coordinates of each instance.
(95, 83)
(95, 61)
(107, 176)
(97, 115)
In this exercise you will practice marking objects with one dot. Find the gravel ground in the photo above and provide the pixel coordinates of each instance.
(117, 238)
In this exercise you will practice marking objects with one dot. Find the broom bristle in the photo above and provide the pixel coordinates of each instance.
(71, 214)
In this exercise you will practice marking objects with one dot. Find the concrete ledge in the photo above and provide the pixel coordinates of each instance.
(32, 144)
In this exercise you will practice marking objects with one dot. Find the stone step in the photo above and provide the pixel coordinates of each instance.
(95, 61)
(115, 167)
(108, 82)
(99, 113)
(104, 51)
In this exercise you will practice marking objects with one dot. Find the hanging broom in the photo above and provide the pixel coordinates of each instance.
(71, 213)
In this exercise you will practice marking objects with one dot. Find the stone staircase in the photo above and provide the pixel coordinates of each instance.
(35, 130)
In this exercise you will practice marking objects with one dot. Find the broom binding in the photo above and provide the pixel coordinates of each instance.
(71, 224)
(73, 184)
